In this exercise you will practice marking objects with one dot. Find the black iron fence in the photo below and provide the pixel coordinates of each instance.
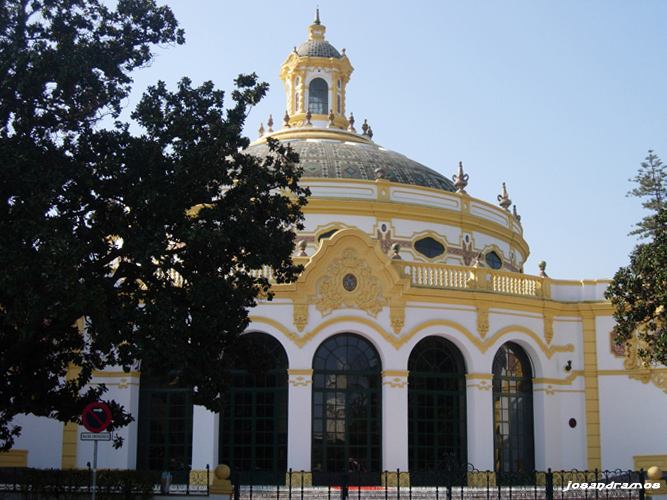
(446, 483)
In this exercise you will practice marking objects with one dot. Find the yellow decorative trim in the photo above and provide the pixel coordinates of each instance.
(300, 377)
(548, 329)
(300, 316)
(481, 479)
(636, 370)
(484, 346)
(486, 380)
(70, 431)
(297, 371)
(275, 324)
(301, 478)
(395, 479)
(364, 293)
(299, 381)
(482, 321)
(591, 382)
(14, 458)
(397, 318)
(399, 380)
(556, 381)
(483, 385)
(550, 390)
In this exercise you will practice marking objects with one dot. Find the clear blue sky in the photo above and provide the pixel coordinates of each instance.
(559, 99)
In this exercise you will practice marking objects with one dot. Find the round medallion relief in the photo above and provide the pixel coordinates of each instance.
(349, 282)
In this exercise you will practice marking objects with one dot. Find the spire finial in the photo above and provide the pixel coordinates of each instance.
(317, 16)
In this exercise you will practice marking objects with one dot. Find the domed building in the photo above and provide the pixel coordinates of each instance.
(413, 335)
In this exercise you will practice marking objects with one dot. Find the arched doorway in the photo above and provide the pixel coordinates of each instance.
(347, 412)
(253, 423)
(514, 443)
(436, 406)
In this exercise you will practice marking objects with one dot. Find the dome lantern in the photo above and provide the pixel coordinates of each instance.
(315, 76)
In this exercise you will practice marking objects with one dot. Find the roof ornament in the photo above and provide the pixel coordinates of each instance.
(350, 126)
(542, 265)
(269, 123)
(317, 16)
(261, 130)
(309, 115)
(380, 173)
(396, 247)
(365, 128)
(370, 132)
(504, 199)
(302, 248)
(331, 123)
(460, 180)
(516, 215)
(286, 120)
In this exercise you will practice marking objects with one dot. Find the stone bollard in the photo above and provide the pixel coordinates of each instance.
(221, 488)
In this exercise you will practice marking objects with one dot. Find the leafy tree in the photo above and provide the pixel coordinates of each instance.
(651, 180)
(154, 239)
(638, 292)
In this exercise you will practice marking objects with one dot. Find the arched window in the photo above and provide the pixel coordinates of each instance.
(164, 426)
(436, 406)
(347, 415)
(318, 97)
(514, 448)
(253, 423)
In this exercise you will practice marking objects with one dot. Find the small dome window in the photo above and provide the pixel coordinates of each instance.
(493, 261)
(318, 97)
(429, 247)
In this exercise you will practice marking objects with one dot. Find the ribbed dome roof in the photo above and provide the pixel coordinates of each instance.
(317, 48)
(342, 160)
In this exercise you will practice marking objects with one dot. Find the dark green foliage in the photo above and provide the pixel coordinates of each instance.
(97, 223)
(638, 292)
(651, 182)
(75, 484)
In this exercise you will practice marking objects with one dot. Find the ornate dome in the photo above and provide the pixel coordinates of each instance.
(317, 48)
(354, 160)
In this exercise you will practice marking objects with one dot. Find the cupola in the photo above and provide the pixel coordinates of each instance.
(315, 75)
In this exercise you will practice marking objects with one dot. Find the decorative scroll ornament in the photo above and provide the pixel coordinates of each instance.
(482, 322)
(637, 369)
(300, 316)
(397, 318)
(548, 329)
(349, 283)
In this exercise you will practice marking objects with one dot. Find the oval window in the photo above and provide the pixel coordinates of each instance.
(429, 247)
(493, 261)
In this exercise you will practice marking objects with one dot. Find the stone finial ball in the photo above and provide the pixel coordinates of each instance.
(542, 263)
(654, 473)
(222, 472)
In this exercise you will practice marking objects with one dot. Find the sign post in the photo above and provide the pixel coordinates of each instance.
(96, 417)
